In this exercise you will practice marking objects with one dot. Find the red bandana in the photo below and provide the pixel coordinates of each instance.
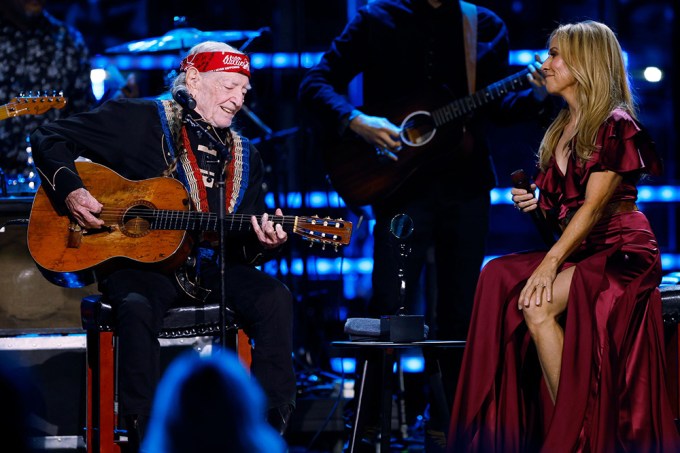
(217, 62)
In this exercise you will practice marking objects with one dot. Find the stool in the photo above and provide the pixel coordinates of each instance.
(388, 355)
(670, 307)
(97, 320)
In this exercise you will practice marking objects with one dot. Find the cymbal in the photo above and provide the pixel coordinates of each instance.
(182, 39)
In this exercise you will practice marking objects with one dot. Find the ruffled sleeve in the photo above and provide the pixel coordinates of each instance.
(624, 147)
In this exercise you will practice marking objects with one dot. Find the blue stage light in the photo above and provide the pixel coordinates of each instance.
(414, 364)
(343, 365)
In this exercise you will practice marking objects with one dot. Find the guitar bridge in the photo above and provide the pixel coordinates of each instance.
(75, 235)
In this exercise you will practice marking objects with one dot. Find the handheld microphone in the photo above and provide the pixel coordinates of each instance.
(183, 98)
(521, 181)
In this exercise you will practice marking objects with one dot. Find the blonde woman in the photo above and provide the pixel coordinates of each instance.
(565, 351)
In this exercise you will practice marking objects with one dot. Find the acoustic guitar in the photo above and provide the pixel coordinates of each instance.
(363, 174)
(147, 223)
(31, 105)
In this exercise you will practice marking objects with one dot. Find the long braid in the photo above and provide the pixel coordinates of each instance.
(175, 127)
(229, 139)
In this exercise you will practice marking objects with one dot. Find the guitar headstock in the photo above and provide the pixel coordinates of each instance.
(326, 231)
(34, 105)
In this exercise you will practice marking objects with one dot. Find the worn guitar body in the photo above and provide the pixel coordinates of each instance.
(362, 175)
(67, 257)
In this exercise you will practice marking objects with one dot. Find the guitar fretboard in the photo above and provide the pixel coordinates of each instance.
(141, 217)
(206, 221)
(468, 104)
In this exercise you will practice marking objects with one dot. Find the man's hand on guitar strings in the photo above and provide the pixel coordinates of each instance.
(270, 235)
(83, 207)
(379, 132)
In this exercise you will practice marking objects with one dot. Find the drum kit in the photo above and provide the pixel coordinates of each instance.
(183, 39)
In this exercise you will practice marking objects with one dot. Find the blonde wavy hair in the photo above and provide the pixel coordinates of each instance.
(593, 55)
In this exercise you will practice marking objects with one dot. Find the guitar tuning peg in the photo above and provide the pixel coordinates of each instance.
(336, 248)
(311, 244)
(22, 94)
(61, 94)
(323, 246)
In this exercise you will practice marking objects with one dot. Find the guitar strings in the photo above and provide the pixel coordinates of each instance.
(116, 213)
(112, 215)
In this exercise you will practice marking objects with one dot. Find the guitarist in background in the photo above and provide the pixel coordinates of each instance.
(417, 49)
(37, 53)
(140, 139)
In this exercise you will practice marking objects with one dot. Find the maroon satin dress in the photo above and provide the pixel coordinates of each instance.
(612, 392)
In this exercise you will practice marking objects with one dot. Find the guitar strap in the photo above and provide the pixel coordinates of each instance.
(187, 169)
(470, 36)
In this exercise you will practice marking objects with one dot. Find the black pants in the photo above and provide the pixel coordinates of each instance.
(263, 307)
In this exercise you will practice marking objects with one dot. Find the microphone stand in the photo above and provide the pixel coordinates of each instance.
(223, 158)
(401, 228)
(244, 108)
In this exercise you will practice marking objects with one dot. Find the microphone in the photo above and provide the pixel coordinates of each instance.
(183, 98)
(521, 181)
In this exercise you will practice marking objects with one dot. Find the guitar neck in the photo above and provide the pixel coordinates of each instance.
(32, 105)
(469, 104)
(208, 221)
(4, 112)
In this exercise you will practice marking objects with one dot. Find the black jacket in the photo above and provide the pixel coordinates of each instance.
(127, 136)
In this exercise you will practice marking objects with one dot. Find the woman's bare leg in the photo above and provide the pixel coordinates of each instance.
(546, 332)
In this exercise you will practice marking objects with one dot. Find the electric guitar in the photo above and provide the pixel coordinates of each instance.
(147, 223)
(32, 105)
(362, 174)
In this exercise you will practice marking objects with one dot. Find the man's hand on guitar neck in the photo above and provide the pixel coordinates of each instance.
(379, 132)
(83, 206)
(537, 79)
(270, 235)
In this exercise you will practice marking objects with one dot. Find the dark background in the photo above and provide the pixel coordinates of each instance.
(646, 29)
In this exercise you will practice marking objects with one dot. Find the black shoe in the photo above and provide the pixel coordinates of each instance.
(278, 417)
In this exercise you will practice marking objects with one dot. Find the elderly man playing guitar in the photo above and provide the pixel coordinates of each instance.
(141, 139)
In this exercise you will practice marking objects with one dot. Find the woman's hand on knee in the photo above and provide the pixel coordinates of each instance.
(534, 294)
(539, 286)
